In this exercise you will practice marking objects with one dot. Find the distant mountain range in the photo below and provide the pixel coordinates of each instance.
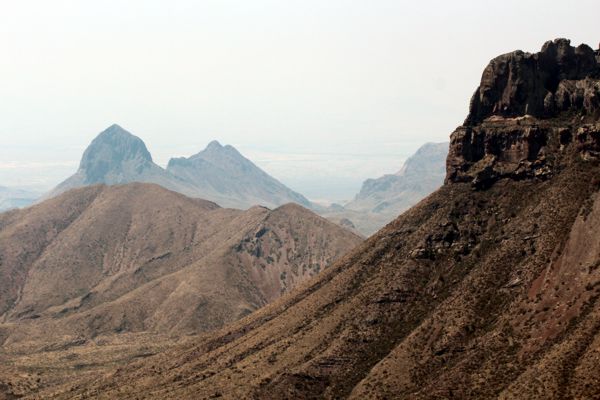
(138, 257)
(223, 175)
(16, 198)
(381, 200)
(218, 173)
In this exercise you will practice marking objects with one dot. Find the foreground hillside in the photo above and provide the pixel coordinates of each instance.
(486, 289)
(138, 257)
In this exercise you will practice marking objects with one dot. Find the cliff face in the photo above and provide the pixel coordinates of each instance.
(558, 78)
(528, 110)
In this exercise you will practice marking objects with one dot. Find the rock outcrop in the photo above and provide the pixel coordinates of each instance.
(559, 78)
(528, 109)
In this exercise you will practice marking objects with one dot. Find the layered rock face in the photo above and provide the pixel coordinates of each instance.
(527, 110)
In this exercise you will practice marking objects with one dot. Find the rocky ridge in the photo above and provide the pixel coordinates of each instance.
(223, 175)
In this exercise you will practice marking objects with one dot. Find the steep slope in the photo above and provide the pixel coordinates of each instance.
(488, 288)
(222, 174)
(138, 257)
(16, 198)
(381, 200)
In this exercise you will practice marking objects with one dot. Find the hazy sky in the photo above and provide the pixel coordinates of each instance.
(321, 94)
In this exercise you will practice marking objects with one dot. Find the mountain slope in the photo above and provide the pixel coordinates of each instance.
(488, 288)
(421, 174)
(137, 257)
(222, 174)
(381, 200)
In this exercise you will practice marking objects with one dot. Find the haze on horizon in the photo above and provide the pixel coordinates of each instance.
(320, 94)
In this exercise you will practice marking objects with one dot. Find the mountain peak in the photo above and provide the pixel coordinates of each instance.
(109, 150)
(214, 145)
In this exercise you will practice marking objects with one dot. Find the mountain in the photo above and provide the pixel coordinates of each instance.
(116, 156)
(486, 289)
(137, 257)
(421, 174)
(222, 174)
(16, 198)
(219, 174)
(381, 200)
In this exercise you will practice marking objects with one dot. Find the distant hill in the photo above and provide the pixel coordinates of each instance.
(222, 174)
(381, 200)
(138, 257)
(421, 174)
(219, 173)
(16, 198)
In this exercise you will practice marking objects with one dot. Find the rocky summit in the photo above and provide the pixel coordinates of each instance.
(528, 111)
(110, 152)
(116, 156)
(559, 78)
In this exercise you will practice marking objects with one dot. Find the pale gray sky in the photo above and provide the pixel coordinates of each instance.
(320, 93)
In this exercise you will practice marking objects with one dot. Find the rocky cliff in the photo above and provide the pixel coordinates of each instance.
(527, 112)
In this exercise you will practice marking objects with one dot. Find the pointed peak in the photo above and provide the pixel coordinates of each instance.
(109, 150)
(115, 129)
(215, 148)
(214, 145)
